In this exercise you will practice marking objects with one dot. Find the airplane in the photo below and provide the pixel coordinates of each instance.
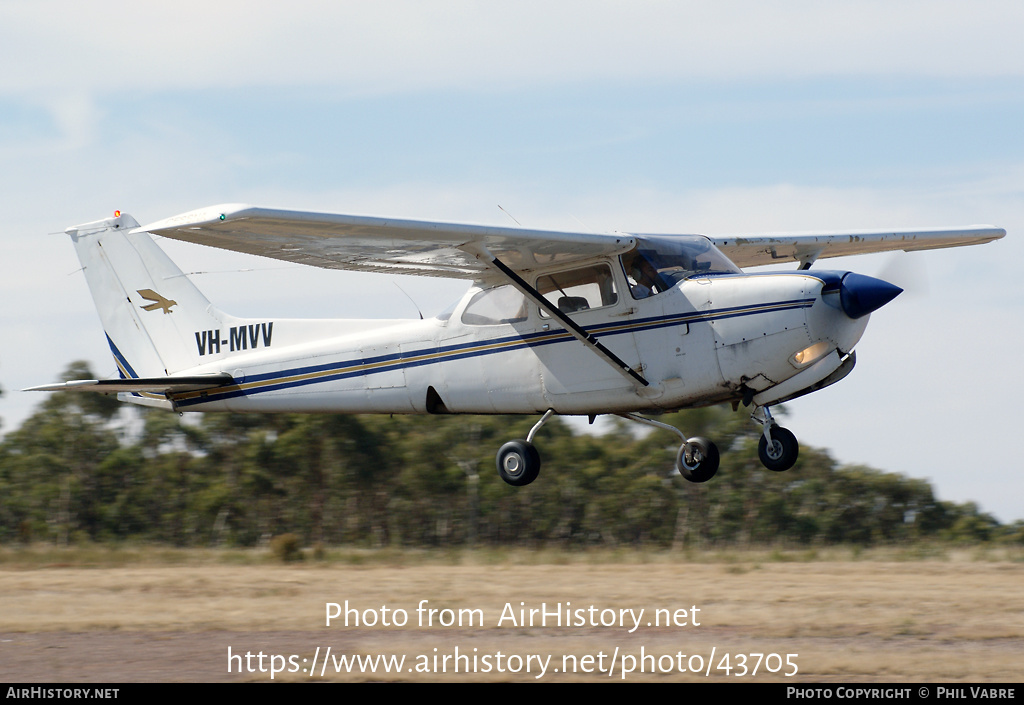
(568, 323)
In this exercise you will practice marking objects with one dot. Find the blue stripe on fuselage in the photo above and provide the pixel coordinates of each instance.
(315, 374)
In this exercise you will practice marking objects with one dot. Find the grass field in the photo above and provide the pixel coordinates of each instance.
(152, 614)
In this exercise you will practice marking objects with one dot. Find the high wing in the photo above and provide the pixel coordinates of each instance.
(805, 248)
(374, 244)
(399, 246)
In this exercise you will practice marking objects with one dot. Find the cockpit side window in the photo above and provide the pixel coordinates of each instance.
(579, 289)
(642, 276)
(490, 307)
(659, 263)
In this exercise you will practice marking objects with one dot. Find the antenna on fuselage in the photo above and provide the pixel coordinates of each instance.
(410, 299)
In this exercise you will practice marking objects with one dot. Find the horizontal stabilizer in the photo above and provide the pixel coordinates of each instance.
(155, 385)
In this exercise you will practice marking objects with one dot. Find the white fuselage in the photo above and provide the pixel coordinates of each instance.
(707, 339)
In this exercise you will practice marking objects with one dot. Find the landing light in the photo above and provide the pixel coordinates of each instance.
(808, 354)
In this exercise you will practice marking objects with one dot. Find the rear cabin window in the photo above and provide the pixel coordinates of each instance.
(490, 307)
(579, 289)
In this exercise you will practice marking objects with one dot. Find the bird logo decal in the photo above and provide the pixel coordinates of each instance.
(158, 301)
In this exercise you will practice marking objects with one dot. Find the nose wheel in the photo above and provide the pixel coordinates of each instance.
(777, 448)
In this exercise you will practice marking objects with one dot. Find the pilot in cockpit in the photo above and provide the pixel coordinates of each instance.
(642, 277)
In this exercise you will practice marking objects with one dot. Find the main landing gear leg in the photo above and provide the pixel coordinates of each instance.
(777, 447)
(518, 461)
(697, 459)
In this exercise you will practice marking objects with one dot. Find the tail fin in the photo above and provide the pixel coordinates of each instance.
(155, 318)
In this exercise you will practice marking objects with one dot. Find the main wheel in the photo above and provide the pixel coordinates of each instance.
(518, 463)
(783, 451)
(698, 459)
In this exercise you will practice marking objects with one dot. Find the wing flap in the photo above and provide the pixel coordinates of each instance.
(372, 244)
(775, 248)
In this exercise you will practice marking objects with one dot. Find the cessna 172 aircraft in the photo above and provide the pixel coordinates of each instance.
(553, 323)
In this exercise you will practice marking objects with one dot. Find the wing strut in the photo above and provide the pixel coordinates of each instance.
(577, 332)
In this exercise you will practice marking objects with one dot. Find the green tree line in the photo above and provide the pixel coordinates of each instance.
(85, 467)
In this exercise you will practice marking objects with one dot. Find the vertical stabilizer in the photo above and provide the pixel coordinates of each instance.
(149, 309)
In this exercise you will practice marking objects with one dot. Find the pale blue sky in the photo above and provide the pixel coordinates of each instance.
(721, 118)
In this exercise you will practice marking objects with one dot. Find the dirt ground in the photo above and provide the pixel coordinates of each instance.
(820, 621)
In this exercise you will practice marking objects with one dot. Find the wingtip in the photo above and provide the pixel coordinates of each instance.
(195, 218)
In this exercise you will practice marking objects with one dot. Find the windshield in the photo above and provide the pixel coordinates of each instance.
(659, 263)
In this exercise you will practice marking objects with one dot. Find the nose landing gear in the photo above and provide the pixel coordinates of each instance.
(777, 448)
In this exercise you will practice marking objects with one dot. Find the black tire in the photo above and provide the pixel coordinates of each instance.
(518, 463)
(783, 453)
(701, 462)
